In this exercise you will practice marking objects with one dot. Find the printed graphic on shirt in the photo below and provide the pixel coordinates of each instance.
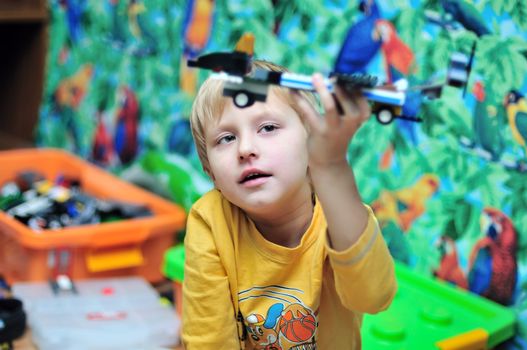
(277, 318)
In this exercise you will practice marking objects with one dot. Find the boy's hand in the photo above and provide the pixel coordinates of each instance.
(331, 134)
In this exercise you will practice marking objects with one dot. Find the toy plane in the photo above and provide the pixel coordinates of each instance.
(246, 87)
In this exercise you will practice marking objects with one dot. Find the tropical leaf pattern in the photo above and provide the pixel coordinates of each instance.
(115, 66)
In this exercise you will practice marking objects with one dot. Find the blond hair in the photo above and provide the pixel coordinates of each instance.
(209, 104)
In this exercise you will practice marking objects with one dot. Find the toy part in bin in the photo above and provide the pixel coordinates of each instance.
(430, 314)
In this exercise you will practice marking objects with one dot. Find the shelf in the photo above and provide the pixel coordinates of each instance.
(23, 11)
(23, 38)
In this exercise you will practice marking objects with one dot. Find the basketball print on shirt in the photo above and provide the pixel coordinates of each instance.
(278, 319)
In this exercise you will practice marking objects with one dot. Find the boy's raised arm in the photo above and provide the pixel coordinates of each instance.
(363, 268)
(332, 176)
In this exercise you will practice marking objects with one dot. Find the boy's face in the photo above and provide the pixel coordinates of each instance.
(258, 155)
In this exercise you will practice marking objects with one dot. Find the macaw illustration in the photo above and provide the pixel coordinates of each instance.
(364, 40)
(197, 27)
(493, 265)
(67, 98)
(102, 146)
(361, 44)
(399, 62)
(396, 241)
(449, 269)
(126, 125)
(399, 58)
(137, 23)
(516, 108)
(74, 10)
(71, 90)
(487, 124)
(405, 205)
(180, 137)
(467, 15)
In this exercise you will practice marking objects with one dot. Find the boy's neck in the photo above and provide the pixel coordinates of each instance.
(289, 227)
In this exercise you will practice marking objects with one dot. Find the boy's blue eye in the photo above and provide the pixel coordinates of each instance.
(268, 128)
(226, 139)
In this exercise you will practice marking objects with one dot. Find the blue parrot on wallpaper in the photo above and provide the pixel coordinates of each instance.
(74, 10)
(493, 266)
(486, 123)
(467, 15)
(180, 137)
(359, 47)
(516, 107)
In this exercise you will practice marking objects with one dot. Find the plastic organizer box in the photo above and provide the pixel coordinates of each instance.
(106, 313)
(121, 248)
(431, 314)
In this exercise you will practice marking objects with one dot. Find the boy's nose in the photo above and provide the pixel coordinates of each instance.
(247, 149)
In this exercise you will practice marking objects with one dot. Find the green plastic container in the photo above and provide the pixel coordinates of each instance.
(174, 263)
(426, 311)
(174, 269)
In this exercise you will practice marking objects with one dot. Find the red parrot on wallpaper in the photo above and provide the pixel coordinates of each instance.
(398, 56)
(449, 269)
(493, 266)
(126, 126)
(102, 148)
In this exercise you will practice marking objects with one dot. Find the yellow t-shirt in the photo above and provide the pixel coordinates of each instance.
(310, 295)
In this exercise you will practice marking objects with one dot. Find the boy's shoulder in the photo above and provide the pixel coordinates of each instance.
(209, 201)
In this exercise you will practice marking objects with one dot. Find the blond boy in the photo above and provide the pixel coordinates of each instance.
(282, 254)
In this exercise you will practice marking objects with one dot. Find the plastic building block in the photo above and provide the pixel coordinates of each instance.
(472, 340)
(431, 314)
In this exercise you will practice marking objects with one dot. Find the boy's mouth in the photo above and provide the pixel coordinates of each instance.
(252, 175)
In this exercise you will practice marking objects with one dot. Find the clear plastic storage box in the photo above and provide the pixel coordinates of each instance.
(115, 313)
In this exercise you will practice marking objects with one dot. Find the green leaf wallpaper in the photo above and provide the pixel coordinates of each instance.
(450, 192)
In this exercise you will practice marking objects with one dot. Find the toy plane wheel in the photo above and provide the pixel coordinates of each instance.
(385, 116)
(242, 99)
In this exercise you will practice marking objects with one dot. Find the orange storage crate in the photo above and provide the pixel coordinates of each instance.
(124, 248)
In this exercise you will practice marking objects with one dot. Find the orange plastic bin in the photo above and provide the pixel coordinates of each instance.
(123, 248)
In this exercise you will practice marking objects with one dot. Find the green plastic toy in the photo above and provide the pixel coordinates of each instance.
(431, 314)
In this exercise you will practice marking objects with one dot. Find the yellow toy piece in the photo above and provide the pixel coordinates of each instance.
(246, 44)
(472, 340)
